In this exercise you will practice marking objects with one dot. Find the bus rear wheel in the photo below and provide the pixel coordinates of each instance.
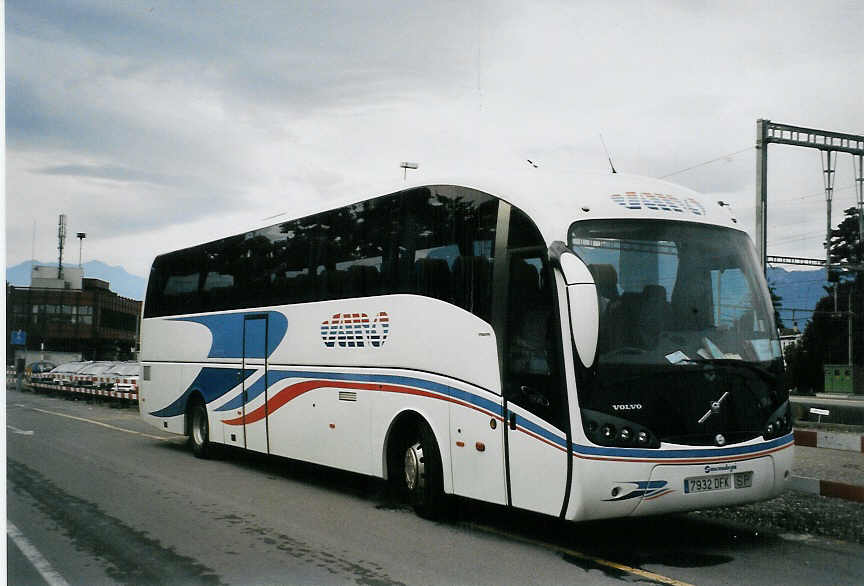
(422, 473)
(199, 431)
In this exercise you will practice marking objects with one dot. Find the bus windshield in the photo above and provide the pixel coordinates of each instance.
(685, 316)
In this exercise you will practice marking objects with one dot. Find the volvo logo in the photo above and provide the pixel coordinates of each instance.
(627, 407)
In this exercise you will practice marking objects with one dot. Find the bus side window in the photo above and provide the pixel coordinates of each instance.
(180, 292)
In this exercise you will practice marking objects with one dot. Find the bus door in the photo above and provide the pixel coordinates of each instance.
(255, 385)
(536, 404)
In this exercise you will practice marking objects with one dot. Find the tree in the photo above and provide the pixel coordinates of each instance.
(845, 244)
(777, 303)
(826, 337)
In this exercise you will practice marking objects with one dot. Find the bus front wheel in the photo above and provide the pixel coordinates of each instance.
(199, 431)
(422, 473)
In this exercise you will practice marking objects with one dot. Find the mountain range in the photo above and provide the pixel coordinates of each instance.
(799, 290)
(121, 282)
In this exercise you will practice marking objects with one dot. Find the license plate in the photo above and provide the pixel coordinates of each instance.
(718, 482)
(743, 479)
(707, 483)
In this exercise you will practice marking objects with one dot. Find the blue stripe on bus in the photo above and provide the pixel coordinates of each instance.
(682, 454)
(428, 385)
(212, 383)
(226, 330)
(257, 388)
(542, 432)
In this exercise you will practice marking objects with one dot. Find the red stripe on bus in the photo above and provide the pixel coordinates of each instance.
(295, 390)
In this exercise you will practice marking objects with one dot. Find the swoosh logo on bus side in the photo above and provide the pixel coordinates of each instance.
(226, 330)
(255, 389)
(210, 382)
(428, 389)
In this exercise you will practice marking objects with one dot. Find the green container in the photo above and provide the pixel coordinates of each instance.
(840, 378)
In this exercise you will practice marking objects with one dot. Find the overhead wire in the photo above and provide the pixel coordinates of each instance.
(702, 164)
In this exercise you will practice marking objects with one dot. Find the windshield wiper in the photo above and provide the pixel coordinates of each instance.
(715, 407)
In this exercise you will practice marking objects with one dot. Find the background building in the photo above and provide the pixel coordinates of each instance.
(71, 314)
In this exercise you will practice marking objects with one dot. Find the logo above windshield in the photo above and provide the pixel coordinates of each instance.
(658, 201)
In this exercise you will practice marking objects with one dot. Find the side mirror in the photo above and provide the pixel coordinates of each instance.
(572, 267)
(581, 301)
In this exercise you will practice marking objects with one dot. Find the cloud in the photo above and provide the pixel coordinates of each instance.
(150, 122)
(112, 172)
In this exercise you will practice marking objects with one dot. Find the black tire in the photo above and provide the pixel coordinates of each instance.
(199, 430)
(421, 473)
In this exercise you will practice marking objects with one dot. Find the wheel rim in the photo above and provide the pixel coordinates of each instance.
(414, 468)
(199, 427)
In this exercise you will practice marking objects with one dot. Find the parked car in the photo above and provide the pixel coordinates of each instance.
(62, 374)
(127, 374)
(38, 367)
(97, 369)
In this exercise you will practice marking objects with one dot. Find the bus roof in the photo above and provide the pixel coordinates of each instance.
(555, 200)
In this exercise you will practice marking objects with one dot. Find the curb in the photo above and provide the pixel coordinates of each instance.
(849, 492)
(832, 440)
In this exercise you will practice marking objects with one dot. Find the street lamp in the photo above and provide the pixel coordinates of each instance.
(81, 236)
(405, 165)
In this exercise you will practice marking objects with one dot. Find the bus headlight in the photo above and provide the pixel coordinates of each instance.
(779, 423)
(608, 430)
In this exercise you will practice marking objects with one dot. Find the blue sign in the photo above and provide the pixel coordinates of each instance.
(19, 338)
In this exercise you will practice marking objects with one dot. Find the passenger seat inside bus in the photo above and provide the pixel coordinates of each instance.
(363, 280)
(655, 314)
(635, 320)
(472, 276)
(530, 321)
(606, 282)
(432, 278)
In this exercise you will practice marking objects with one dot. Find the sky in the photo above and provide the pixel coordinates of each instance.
(158, 125)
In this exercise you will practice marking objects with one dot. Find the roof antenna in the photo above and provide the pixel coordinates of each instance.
(608, 156)
(532, 163)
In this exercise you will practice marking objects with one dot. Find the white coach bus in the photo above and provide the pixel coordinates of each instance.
(580, 346)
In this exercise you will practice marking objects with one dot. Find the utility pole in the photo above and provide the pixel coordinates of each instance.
(81, 236)
(61, 238)
(762, 191)
(828, 164)
(830, 143)
(850, 327)
(858, 164)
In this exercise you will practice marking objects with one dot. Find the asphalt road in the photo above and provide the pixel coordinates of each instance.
(102, 498)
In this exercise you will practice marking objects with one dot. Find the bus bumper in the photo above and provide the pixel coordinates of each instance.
(687, 487)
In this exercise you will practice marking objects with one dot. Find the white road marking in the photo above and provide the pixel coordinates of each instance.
(19, 431)
(109, 426)
(45, 569)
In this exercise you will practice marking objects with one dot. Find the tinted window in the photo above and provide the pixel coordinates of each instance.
(531, 377)
(436, 242)
(174, 283)
(445, 246)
